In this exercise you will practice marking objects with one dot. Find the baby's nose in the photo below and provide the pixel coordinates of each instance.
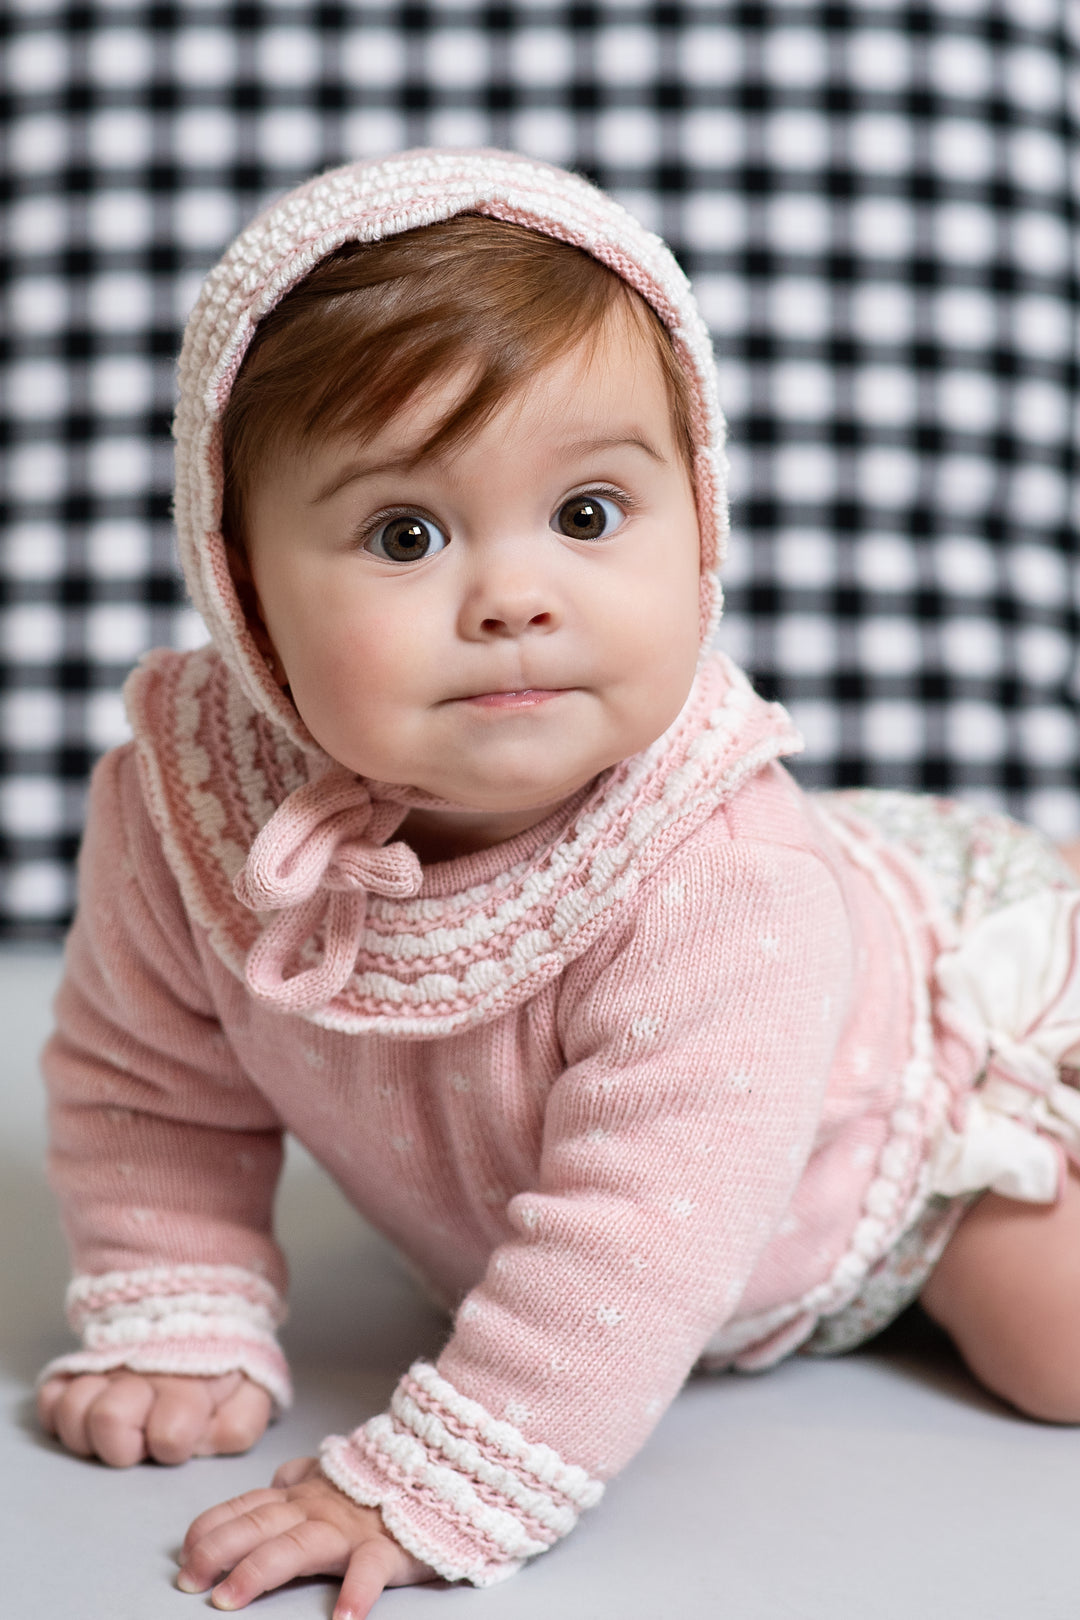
(513, 624)
(509, 597)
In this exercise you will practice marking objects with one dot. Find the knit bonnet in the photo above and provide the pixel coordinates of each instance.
(367, 202)
(286, 858)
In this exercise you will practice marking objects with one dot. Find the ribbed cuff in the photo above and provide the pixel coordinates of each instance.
(199, 1321)
(462, 1491)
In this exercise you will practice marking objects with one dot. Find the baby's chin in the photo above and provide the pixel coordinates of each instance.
(441, 833)
(502, 791)
(461, 801)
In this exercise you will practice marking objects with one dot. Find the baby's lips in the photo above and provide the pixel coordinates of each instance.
(529, 697)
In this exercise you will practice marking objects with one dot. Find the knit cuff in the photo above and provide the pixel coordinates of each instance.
(201, 1321)
(460, 1490)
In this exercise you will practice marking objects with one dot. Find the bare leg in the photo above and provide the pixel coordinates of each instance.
(1007, 1291)
(1071, 854)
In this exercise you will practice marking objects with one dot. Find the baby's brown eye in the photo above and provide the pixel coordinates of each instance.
(587, 517)
(406, 539)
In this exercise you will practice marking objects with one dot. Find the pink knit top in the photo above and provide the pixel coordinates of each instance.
(654, 1078)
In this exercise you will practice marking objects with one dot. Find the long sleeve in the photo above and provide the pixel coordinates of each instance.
(163, 1153)
(698, 1044)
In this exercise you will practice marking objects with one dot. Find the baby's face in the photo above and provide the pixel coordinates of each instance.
(495, 625)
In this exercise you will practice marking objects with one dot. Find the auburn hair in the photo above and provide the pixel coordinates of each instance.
(363, 332)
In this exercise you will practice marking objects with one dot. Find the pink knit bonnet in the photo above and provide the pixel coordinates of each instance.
(365, 202)
(329, 843)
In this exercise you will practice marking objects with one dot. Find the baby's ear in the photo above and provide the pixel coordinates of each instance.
(248, 597)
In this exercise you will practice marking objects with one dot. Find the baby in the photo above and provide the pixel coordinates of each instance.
(459, 856)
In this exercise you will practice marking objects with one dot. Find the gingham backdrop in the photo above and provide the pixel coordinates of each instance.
(878, 203)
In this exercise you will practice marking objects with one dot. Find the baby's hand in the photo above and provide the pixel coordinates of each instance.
(303, 1526)
(125, 1417)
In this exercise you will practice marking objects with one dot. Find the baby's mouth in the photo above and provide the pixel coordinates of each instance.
(528, 697)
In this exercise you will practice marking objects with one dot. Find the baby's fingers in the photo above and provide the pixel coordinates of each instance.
(309, 1547)
(212, 1518)
(99, 1415)
(295, 1471)
(48, 1398)
(238, 1422)
(116, 1422)
(224, 1547)
(46, 1401)
(366, 1577)
(179, 1419)
(62, 1406)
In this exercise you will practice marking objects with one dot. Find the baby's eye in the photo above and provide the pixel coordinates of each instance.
(588, 517)
(406, 539)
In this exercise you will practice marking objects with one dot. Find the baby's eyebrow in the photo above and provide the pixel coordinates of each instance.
(362, 469)
(581, 447)
(614, 441)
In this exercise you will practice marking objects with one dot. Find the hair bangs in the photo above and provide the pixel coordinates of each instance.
(372, 325)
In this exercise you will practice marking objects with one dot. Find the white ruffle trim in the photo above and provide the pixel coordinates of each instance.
(195, 1321)
(1013, 988)
(515, 1496)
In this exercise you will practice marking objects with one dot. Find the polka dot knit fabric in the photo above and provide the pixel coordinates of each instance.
(662, 1081)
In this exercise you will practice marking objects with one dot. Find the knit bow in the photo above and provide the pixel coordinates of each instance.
(315, 862)
(1013, 986)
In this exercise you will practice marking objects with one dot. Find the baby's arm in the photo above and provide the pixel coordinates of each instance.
(164, 1157)
(125, 1417)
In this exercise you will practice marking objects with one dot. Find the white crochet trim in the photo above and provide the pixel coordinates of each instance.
(419, 1444)
(191, 1319)
(188, 1316)
(160, 1286)
(402, 1528)
(542, 1463)
(413, 1458)
(161, 1303)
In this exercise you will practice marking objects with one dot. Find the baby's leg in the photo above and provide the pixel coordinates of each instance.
(1071, 854)
(1007, 1291)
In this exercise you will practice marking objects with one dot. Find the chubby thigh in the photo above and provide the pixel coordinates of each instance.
(1007, 1291)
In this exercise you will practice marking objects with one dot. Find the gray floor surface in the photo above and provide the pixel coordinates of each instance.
(877, 1487)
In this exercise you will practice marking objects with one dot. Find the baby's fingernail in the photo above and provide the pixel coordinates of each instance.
(186, 1582)
(224, 1598)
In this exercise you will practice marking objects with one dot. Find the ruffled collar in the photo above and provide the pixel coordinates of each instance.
(290, 865)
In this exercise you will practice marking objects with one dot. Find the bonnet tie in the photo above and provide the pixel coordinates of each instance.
(314, 863)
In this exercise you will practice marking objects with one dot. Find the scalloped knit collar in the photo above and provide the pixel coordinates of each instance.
(384, 949)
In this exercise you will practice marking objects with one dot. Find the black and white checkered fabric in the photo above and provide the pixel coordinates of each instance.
(879, 205)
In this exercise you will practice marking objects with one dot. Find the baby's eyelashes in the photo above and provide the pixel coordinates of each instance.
(405, 537)
(409, 536)
(590, 516)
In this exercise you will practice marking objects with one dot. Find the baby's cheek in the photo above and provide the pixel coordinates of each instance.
(662, 668)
